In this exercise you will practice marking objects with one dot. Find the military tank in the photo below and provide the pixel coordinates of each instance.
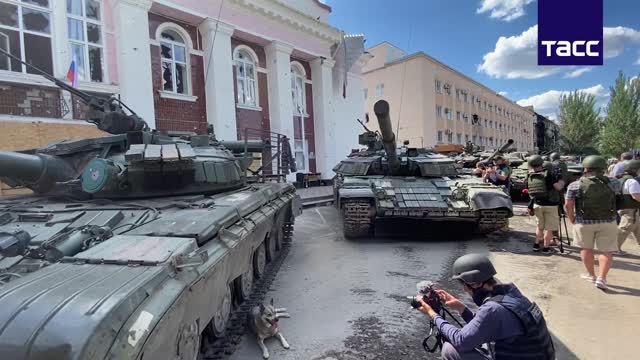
(134, 244)
(518, 176)
(383, 181)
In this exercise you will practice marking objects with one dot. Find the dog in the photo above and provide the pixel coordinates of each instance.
(263, 321)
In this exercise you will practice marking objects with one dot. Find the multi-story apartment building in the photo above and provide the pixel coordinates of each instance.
(432, 103)
(547, 134)
(184, 65)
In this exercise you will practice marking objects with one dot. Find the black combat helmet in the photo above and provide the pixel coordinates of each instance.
(632, 166)
(473, 269)
(535, 160)
(594, 162)
(554, 156)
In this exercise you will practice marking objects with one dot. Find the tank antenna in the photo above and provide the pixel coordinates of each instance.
(213, 42)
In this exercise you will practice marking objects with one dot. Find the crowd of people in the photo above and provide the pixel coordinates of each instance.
(603, 205)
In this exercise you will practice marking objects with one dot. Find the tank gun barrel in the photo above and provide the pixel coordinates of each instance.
(500, 150)
(38, 171)
(109, 115)
(252, 146)
(381, 108)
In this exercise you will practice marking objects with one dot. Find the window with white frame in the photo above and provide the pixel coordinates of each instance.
(465, 116)
(298, 78)
(457, 115)
(438, 111)
(380, 90)
(466, 139)
(86, 42)
(439, 136)
(301, 154)
(466, 96)
(438, 86)
(457, 94)
(474, 138)
(450, 137)
(25, 32)
(246, 77)
(175, 69)
(459, 138)
(448, 113)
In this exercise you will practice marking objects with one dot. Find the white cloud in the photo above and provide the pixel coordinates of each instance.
(506, 10)
(516, 57)
(503, 93)
(547, 103)
(638, 61)
(577, 72)
(616, 38)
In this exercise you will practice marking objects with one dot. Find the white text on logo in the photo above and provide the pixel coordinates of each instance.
(566, 48)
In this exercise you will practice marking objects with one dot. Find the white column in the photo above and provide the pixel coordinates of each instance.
(134, 56)
(279, 86)
(321, 75)
(218, 63)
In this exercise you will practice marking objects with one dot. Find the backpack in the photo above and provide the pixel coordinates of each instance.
(597, 201)
(537, 186)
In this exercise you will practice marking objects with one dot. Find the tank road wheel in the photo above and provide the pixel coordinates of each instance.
(358, 218)
(244, 284)
(271, 245)
(221, 316)
(259, 261)
(188, 343)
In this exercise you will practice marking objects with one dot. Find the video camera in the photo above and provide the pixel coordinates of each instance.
(429, 295)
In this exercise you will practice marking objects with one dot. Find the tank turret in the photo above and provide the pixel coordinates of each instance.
(381, 109)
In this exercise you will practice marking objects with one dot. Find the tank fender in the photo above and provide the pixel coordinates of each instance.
(350, 193)
(489, 198)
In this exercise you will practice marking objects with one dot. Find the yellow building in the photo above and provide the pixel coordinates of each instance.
(432, 103)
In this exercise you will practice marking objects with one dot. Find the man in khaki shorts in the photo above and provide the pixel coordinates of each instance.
(629, 206)
(591, 206)
(544, 188)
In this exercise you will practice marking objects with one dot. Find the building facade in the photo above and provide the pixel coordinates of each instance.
(547, 134)
(432, 103)
(183, 65)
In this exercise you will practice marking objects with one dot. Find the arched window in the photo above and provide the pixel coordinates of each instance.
(175, 62)
(246, 63)
(298, 78)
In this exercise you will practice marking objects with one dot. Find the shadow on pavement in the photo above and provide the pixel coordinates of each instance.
(562, 351)
(421, 230)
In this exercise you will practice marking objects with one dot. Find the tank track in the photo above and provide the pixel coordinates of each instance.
(237, 325)
(492, 220)
(357, 217)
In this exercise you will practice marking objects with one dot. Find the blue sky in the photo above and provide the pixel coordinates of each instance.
(464, 34)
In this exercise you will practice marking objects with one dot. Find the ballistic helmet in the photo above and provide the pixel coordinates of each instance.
(626, 156)
(535, 160)
(632, 166)
(473, 269)
(554, 156)
(594, 162)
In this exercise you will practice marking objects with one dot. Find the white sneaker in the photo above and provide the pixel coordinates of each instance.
(601, 284)
(620, 253)
(588, 277)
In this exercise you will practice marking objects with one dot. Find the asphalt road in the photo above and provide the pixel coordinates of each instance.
(347, 298)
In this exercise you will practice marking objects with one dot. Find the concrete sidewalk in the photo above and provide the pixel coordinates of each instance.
(586, 322)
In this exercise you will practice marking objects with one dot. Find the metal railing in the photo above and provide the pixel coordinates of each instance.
(275, 160)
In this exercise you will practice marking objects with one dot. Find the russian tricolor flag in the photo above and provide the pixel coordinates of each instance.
(72, 74)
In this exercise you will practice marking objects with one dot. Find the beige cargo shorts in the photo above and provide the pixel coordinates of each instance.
(547, 217)
(602, 237)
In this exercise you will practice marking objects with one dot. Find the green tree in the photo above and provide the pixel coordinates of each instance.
(621, 128)
(579, 124)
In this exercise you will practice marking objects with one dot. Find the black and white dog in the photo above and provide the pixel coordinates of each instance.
(263, 321)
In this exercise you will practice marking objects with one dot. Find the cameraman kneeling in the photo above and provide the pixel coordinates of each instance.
(504, 316)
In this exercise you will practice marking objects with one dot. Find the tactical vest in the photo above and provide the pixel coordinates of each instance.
(596, 201)
(535, 343)
(626, 201)
(537, 186)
